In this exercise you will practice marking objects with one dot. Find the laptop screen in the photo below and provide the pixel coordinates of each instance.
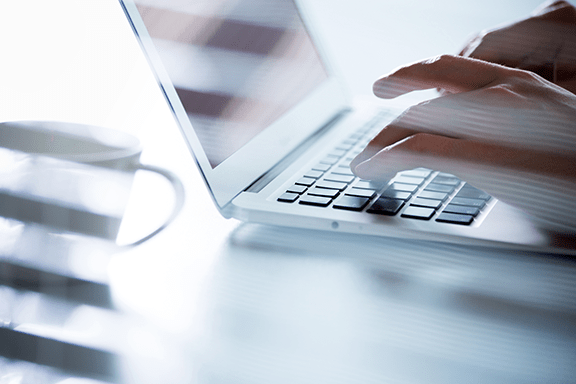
(236, 65)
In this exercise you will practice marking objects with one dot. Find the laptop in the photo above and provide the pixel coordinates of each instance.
(273, 131)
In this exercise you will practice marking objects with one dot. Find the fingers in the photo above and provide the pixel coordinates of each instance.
(448, 153)
(540, 40)
(529, 191)
(452, 73)
(388, 136)
(518, 110)
(560, 11)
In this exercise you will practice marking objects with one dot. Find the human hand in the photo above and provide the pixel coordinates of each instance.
(544, 43)
(506, 131)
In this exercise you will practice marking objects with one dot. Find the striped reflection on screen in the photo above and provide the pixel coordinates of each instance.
(237, 65)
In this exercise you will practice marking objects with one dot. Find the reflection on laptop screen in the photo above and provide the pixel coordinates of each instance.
(237, 65)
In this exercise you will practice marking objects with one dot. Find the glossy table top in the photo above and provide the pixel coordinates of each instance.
(210, 300)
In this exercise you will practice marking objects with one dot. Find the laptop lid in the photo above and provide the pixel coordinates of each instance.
(244, 78)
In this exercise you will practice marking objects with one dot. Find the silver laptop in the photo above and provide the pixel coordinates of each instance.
(273, 132)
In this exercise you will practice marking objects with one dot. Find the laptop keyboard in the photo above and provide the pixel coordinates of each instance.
(417, 194)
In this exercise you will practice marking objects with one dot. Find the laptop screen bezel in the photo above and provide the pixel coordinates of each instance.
(258, 156)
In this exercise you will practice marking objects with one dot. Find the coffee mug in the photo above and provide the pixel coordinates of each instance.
(72, 177)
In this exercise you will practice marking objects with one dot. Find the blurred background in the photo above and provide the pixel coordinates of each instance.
(211, 300)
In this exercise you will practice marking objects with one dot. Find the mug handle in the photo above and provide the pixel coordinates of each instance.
(178, 188)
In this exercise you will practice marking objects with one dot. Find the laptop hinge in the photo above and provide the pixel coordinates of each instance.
(287, 160)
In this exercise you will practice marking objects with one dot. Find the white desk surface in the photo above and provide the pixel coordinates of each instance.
(211, 300)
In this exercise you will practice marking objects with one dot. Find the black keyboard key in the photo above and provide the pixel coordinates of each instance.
(433, 195)
(454, 218)
(299, 189)
(473, 193)
(331, 185)
(384, 206)
(422, 173)
(359, 192)
(288, 197)
(445, 180)
(461, 209)
(339, 178)
(365, 184)
(476, 203)
(331, 160)
(368, 126)
(345, 146)
(332, 193)
(351, 203)
(314, 174)
(399, 191)
(420, 202)
(343, 171)
(321, 167)
(318, 201)
(409, 180)
(394, 194)
(345, 163)
(307, 181)
(355, 152)
(421, 213)
(337, 152)
(356, 136)
(403, 187)
(433, 187)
